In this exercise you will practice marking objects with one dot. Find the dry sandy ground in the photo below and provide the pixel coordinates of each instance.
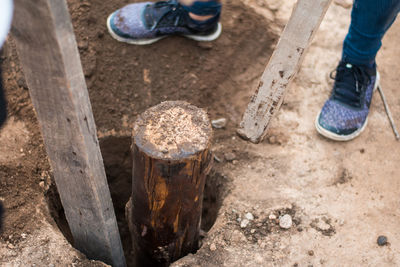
(342, 196)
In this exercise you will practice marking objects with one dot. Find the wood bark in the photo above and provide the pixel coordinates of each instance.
(171, 158)
(47, 50)
(282, 68)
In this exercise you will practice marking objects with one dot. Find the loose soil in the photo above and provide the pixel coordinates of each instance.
(341, 196)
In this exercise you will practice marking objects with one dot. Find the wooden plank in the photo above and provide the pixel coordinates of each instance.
(47, 50)
(171, 159)
(282, 68)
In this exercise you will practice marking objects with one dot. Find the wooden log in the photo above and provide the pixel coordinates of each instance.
(47, 50)
(171, 158)
(282, 68)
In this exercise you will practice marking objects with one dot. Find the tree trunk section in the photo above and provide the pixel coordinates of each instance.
(171, 159)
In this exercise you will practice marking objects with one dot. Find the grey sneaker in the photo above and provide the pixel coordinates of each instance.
(147, 22)
(344, 115)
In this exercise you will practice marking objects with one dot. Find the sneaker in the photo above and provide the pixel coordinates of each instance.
(344, 115)
(146, 23)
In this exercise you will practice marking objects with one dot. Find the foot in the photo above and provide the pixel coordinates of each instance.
(345, 114)
(147, 22)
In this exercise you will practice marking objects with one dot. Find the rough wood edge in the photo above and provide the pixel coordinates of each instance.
(282, 68)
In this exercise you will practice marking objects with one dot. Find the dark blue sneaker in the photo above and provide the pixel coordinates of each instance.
(147, 22)
(345, 114)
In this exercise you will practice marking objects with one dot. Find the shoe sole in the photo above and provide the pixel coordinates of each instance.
(343, 138)
(205, 38)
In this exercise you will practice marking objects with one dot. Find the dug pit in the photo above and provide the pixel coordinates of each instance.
(118, 164)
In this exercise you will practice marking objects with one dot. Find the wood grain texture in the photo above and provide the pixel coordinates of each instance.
(282, 68)
(167, 186)
(47, 50)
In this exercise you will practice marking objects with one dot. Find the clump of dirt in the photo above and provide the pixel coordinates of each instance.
(343, 177)
(324, 226)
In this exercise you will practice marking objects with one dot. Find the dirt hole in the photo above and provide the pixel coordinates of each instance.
(118, 166)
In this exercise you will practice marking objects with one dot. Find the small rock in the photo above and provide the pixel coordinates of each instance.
(219, 123)
(23, 235)
(285, 221)
(252, 231)
(230, 156)
(41, 184)
(244, 223)
(217, 159)
(83, 45)
(272, 216)
(213, 247)
(10, 246)
(22, 83)
(272, 140)
(300, 229)
(249, 216)
(311, 252)
(382, 240)
(205, 45)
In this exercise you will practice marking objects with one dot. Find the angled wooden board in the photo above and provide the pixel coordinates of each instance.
(282, 67)
(49, 56)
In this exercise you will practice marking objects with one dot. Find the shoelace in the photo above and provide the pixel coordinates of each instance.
(350, 84)
(175, 9)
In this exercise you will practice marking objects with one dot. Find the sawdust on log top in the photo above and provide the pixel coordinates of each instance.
(172, 130)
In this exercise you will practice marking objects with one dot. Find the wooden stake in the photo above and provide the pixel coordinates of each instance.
(47, 50)
(171, 158)
(282, 67)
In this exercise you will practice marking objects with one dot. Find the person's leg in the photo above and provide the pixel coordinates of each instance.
(147, 22)
(370, 19)
(202, 12)
(345, 114)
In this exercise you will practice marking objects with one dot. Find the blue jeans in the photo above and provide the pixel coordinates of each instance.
(370, 19)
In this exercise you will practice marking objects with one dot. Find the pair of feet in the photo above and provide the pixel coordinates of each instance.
(343, 116)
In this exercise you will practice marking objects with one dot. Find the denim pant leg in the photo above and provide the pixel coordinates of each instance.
(370, 19)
